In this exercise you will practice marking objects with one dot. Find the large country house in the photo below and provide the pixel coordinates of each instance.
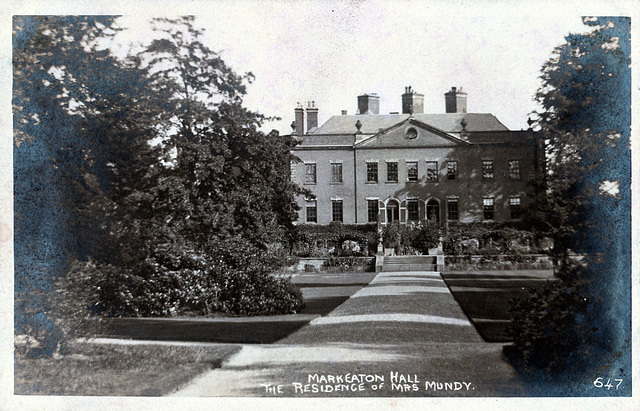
(453, 166)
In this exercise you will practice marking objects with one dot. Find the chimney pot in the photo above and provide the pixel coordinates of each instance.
(312, 115)
(455, 101)
(412, 102)
(368, 103)
(299, 119)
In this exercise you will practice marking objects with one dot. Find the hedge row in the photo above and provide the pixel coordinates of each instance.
(334, 239)
(489, 239)
(410, 238)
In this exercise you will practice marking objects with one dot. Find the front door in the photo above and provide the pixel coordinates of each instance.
(393, 211)
(433, 211)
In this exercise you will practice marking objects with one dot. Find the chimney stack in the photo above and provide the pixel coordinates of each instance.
(368, 103)
(455, 101)
(312, 115)
(299, 119)
(412, 102)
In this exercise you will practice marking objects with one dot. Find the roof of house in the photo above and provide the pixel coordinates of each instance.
(323, 140)
(374, 123)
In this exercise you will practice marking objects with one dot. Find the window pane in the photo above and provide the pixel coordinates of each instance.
(452, 170)
(514, 168)
(432, 171)
(336, 172)
(412, 210)
(372, 172)
(372, 208)
(392, 172)
(312, 213)
(487, 169)
(310, 174)
(514, 206)
(336, 209)
(452, 209)
(412, 171)
(488, 208)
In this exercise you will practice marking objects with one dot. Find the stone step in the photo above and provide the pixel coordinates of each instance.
(410, 260)
(410, 267)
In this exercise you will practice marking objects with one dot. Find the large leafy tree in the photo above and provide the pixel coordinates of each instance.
(234, 176)
(584, 205)
(203, 234)
(78, 143)
(142, 180)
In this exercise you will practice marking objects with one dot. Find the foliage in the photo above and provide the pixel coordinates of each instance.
(148, 170)
(317, 240)
(410, 238)
(583, 203)
(550, 329)
(70, 115)
(488, 239)
(349, 262)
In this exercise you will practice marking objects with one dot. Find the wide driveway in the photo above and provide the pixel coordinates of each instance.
(402, 335)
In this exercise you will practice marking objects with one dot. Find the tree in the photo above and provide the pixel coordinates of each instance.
(207, 234)
(584, 203)
(65, 159)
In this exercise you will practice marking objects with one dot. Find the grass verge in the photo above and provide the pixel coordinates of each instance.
(117, 370)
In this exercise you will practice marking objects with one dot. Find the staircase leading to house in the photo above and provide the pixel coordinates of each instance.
(410, 263)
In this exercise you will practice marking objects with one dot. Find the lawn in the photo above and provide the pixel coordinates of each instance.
(117, 370)
(485, 296)
(153, 369)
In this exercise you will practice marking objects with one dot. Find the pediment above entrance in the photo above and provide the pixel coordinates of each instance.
(411, 133)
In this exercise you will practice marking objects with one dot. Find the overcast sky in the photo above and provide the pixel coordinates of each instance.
(330, 52)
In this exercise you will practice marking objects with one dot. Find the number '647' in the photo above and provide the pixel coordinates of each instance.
(599, 383)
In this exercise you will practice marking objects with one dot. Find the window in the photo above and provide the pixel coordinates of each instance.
(372, 172)
(372, 210)
(488, 208)
(514, 206)
(487, 169)
(412, 171)
(312, 211)
(336, 172)
(392, 172)
(336, 210)
(452, 209)
(452, 170)
(411, 133)
(514, 169)
(432, 171)
(310, 173)
(412, 210)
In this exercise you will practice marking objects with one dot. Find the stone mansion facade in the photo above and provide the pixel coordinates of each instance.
(411, 166)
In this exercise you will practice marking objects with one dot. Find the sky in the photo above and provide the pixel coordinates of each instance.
(331, 52)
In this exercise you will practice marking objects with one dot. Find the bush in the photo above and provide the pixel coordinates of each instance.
(410, 238)
(349, 262)
(232, 277)
(549, 329)
(63, 314)
(311, 240)
(488, 238)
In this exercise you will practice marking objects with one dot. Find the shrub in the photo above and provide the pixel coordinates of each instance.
(311, 240)
(410, 238)
(486, 238)
(232, 277)
(348, 262)
(549, 329)
(63, 314)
